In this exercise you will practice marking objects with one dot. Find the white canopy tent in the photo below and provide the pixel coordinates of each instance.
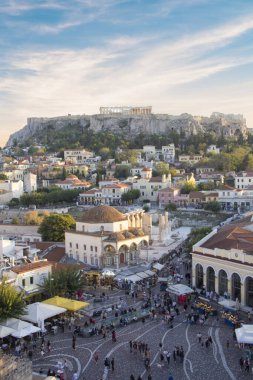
(133, 278)
(20, 328)
(5, 331)
(38, 312)
(244, 334)
(150, 273)
(25, 331)
(179, 289)
(158, 266)
(142, 274)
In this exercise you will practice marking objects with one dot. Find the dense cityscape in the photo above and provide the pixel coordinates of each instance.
(126, 199)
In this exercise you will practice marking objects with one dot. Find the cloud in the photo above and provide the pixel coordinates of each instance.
(14, 7)
(127, 70)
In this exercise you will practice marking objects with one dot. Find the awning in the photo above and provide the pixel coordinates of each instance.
(229, 304)
(66, 303)
(158, 266)
(25, 331)
(133, 278)
(150, 273)
(244, 334)
(142, 274)
(179, 289)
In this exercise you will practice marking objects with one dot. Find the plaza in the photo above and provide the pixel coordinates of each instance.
(220, 360)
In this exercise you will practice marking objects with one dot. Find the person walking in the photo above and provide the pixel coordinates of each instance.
(182, 354)
(132, 377)
(227, 344)
(246, 365)
(241, 362)
(199, 336)
(149, 376)
(96, 357)
(175, 354)
(112, 364)
(168, 355)
(131, 346)
(114, 336)
(49, 346)
(161, 359)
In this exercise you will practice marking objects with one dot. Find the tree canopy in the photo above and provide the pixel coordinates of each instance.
(12, 304)
(130, 195)
(53, 226)
(196, 235)
(63, 282)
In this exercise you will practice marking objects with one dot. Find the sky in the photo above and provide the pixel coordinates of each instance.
(73, 56)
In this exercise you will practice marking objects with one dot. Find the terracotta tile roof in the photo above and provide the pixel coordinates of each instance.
(156, 179)
(42, 245)
(30, 267)
(231, 236)
(102, 214)
(56, 254)
(196, 194)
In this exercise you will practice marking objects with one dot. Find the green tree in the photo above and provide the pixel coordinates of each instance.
(122, 171)
(196, 235)
(213, 206)
(12, 304)
(130, 195)
(104, 152)
(171, 207)
(162, 168)
(3, 177)
(188, 187)
(63, 282)
(53, 226)
(14, 202)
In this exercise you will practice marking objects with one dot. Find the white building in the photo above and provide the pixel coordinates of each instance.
(149, 187)
(106, 195)
(77, 156)
(213, 149)
(30, 182)
(189, 160)
(72, 182)
(106, 237)
(244, 179)
(30, 277)
(167, 153)
(9, 190)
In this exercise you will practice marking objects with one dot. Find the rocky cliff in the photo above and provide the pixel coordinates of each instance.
(228, 125)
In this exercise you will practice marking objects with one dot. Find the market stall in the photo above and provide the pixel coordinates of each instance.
(230, 318)
(181, 291)
(205, 308)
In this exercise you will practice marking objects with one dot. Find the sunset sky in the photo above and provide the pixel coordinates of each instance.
(72, 56)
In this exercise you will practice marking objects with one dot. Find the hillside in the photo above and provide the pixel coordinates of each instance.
(52, 131)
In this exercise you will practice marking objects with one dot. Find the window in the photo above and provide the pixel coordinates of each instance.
(96, 249)
(77, 257)
(85, 259)
(92, 260)
(31, 280)
(23, 282)
(76, 245)
(249, 179)
(70, 244)
(96, 262)
(84, 247)
(91, 248)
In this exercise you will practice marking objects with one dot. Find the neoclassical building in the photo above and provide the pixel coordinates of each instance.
(106, 237)
(223, 262)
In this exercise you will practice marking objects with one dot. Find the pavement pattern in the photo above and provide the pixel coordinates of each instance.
(218, 361)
